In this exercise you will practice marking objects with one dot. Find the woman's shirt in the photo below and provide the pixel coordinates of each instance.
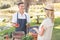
(48, 26)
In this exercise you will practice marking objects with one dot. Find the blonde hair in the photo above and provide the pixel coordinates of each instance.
(51, 15)
(50, 11)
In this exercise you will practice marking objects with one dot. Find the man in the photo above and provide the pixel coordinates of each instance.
(21, 19)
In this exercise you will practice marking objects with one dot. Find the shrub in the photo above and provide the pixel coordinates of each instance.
(27, 37)
(4, 6)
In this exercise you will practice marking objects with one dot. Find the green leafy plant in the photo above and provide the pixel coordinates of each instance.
(27, 37)
(4, 6)
(4, 20)
(41, 10)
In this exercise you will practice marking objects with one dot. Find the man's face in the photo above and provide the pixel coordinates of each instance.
(21, 7)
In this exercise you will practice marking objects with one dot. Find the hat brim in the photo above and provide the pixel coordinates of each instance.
(49, 9)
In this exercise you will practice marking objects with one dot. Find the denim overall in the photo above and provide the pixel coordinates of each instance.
(22, 22)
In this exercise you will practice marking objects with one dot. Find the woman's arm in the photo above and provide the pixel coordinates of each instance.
(41, 33)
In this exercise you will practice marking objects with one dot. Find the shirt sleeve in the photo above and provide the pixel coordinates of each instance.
(14, 18)
(44, 24)
(28, 18)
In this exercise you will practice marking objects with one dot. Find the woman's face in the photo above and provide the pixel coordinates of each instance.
(49, 13)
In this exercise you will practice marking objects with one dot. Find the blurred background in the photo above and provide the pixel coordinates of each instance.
(35, 8)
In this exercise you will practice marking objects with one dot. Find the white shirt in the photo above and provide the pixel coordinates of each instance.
(48, 26)
(24, 16)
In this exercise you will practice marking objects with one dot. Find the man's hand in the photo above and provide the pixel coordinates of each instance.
(15, 25)
(28, 25)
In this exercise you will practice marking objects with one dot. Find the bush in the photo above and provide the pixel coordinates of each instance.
(27, 37)
(7, 31)
(4, 20)
(11, 11)
(4, 6)
(42, 11)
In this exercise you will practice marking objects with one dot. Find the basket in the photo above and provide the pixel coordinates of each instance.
(18, 35)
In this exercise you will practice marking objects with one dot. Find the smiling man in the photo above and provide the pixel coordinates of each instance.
(21, 19)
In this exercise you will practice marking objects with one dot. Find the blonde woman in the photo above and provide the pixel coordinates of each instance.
(45, 29)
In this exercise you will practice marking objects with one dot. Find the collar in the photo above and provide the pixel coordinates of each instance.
(20, 13)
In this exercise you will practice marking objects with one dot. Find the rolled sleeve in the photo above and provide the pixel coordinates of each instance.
(44, 24)
(14, 18)
(28, 18)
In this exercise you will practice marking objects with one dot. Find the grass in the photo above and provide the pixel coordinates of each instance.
(56, 30)
(56, 34)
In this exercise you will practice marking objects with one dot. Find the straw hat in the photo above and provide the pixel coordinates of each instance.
(49, 7)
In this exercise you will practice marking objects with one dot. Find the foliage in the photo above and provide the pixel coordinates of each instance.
(2, 24)
(4, 20)
(7, 31)
(41, 10)
(4, 6)
(27, 37)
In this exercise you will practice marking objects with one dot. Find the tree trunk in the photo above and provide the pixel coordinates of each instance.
(42, 1)
(27, 2)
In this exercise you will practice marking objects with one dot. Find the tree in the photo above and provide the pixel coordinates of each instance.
(27, 2)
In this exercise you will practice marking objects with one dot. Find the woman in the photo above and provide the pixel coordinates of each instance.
(45, 29)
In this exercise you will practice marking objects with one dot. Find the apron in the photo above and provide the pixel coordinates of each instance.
(22, 26)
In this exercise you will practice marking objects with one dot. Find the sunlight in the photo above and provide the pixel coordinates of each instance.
(57, 27)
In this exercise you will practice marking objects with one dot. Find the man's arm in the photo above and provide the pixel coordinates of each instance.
(28, 21)
(15, 25)
(14, 20)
